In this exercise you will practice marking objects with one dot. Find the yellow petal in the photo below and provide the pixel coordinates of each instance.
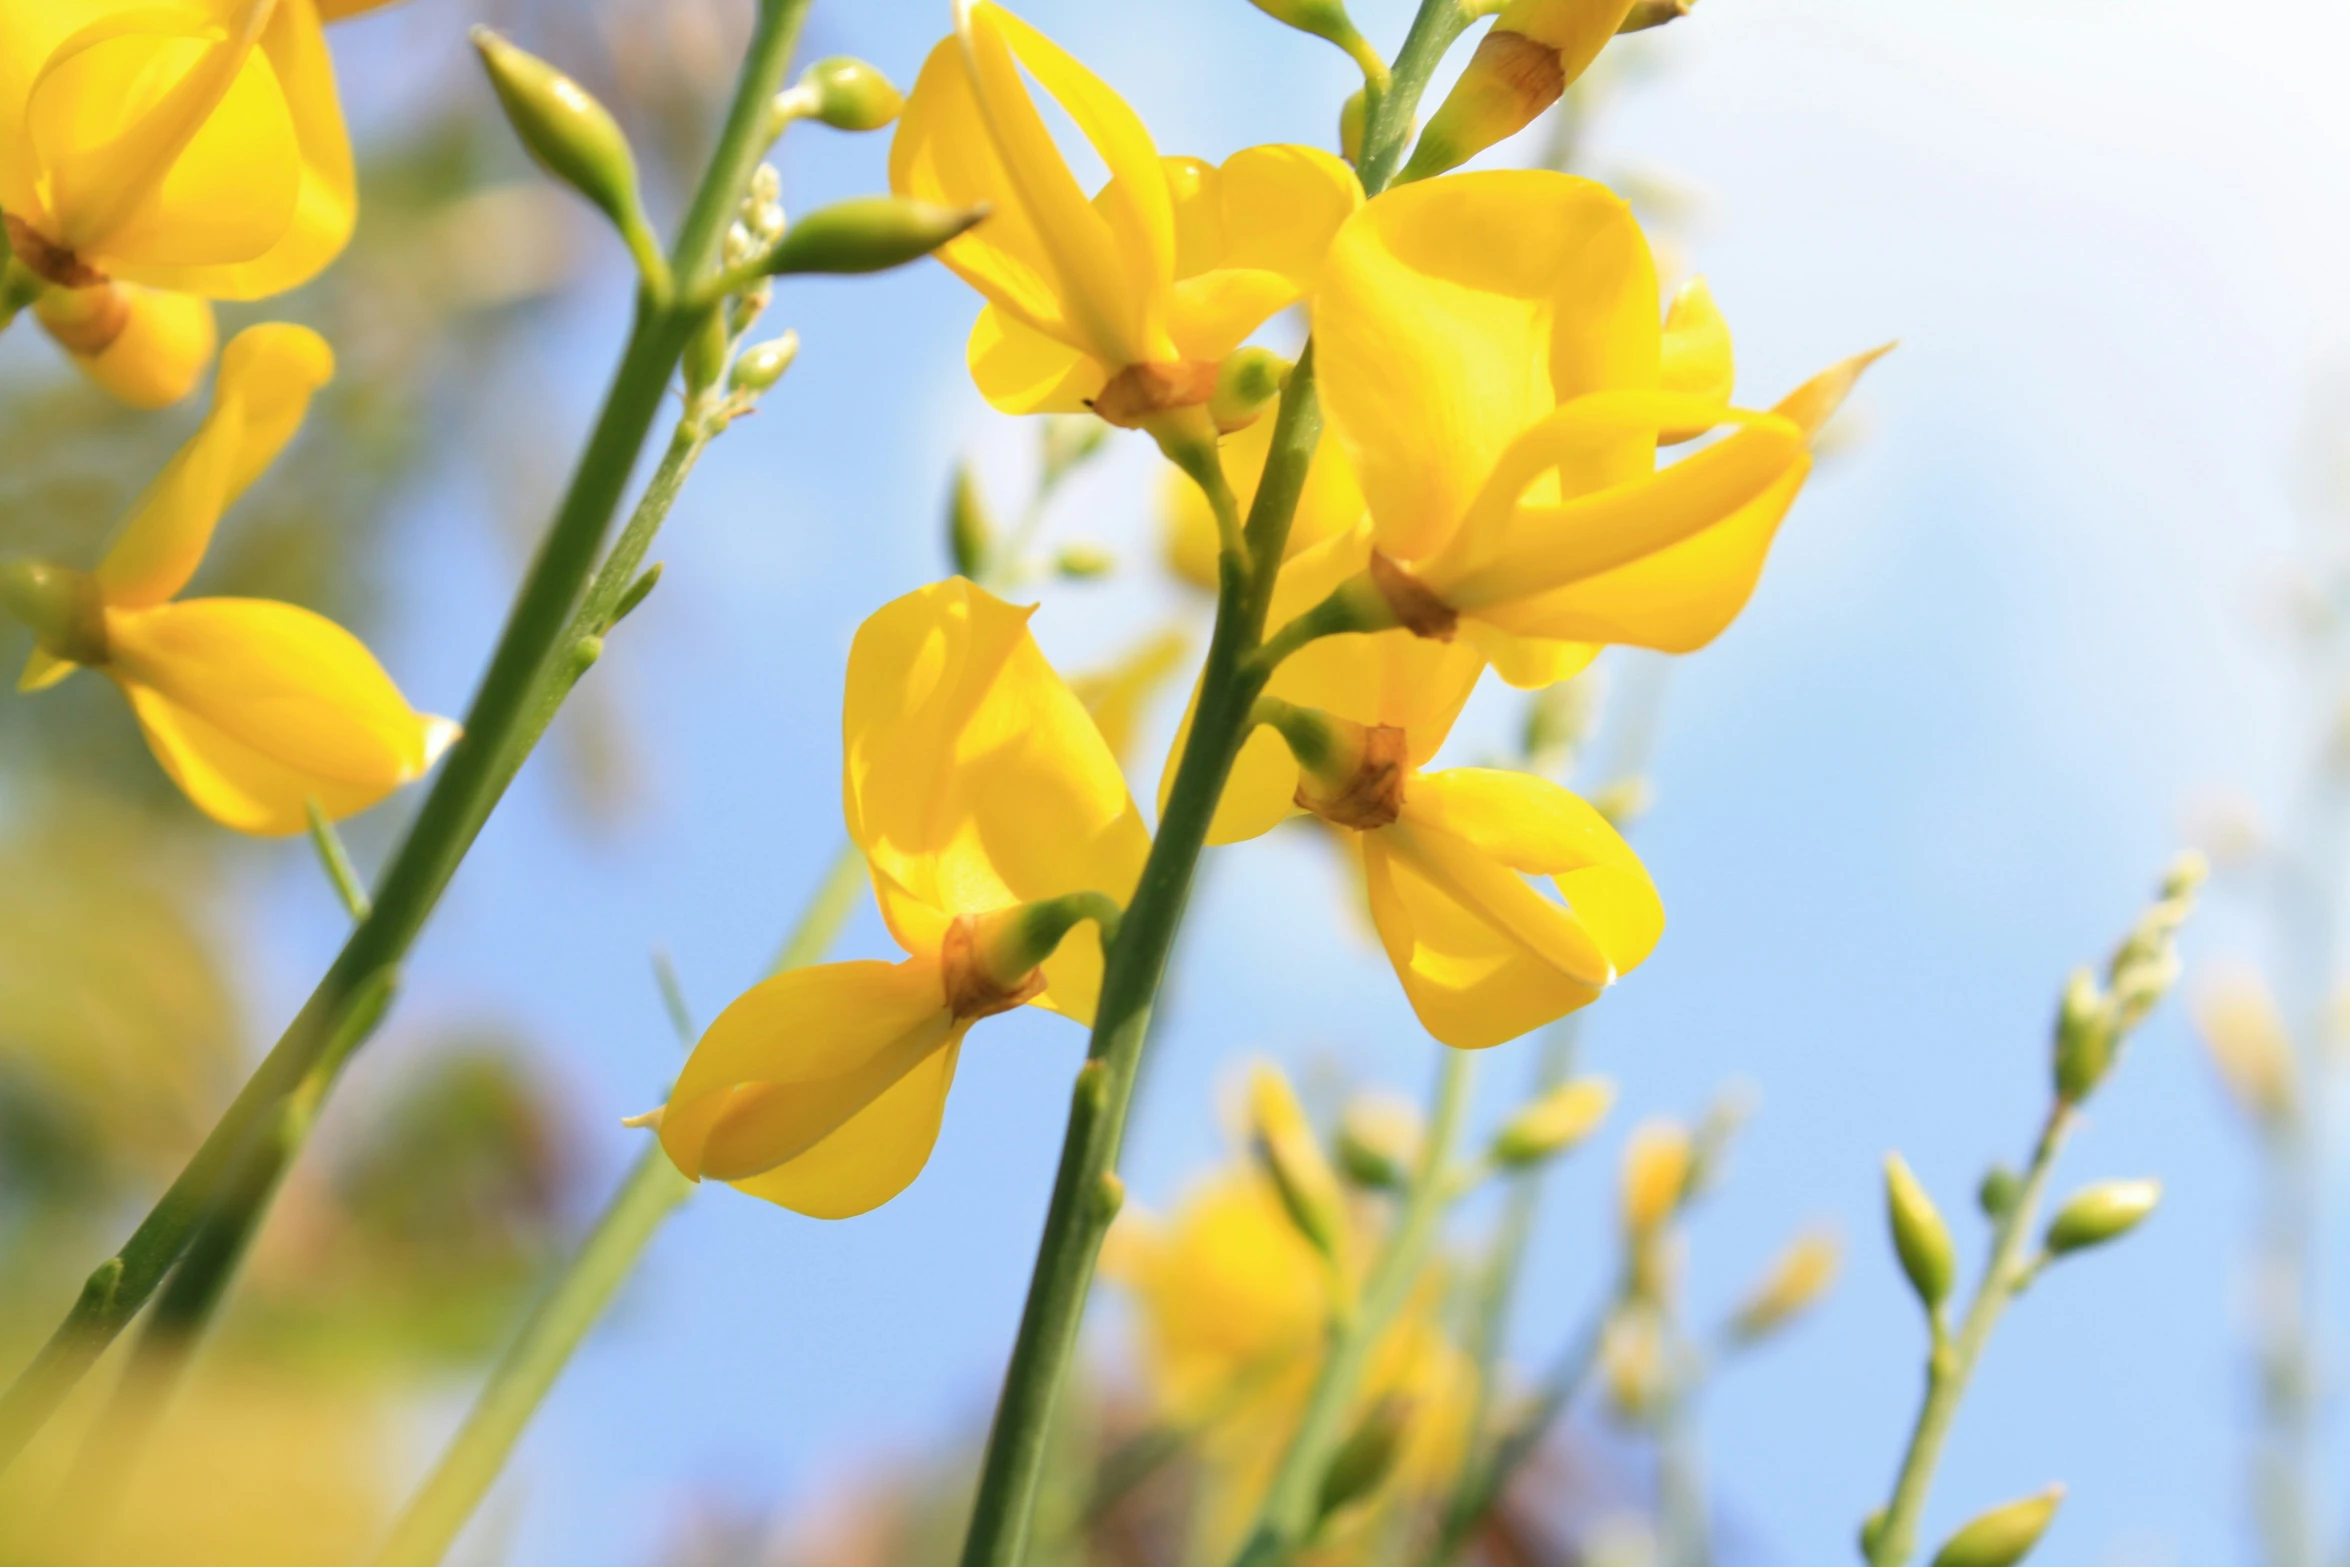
(1577, 29)
(801, 1058)
(161, 352)
(1529, 663)
(1697, 359)
(876, 1153)
(1021, 370)
(266, 377)
(1454, 313)
(975, 779)
(290, 686)
(1538, 828)
(1118, 695)
(1255, 234)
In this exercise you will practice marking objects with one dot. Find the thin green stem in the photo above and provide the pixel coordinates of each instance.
(1288, 1515)
(19, 287)
(335, 859)
(500, 729)
(836, 896)
(1086, 1190)
(1387, 119)
(1951, 1365)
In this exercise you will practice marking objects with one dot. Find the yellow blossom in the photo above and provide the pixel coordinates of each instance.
(1795, 1281)
(1493, 362)
(980, 793)
(1127, 301)
(2246, 1038)
(147, 346)
(1657, 1161)
(254, 708)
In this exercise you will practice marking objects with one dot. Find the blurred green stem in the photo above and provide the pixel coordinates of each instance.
(1951, 1363)
(501, 726)
(19, 287)
(335, 859)
(1288, 1515)
(1387, 119)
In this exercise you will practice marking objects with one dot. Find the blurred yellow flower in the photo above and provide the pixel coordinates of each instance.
(1124, 302)
(2245, 1035)
(254, 708)
(1792, 1285)
(1492, 360)
(978, 788)
(1657, 1160)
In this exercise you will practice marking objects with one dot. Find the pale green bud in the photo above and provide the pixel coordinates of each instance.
(760, 366)
(970, 531)
(1997, 1193)
(850, 95)
(1379, 1141)
(1554, 1123)
(1289, 1152)
(1919, 1235)
(2004, 1535)
(1367, 1457)
(61, 607)
(1082, 562)
(1871, 1529)
(2084, 1036)
(572, 136)
(1247, 382)
(2100, 1213)
(1350, 124)
(1326, 19)
(705, 352)
(868, 234)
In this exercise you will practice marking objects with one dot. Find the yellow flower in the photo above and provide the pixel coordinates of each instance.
(1536, 49)
(254, 708)
(1794, 1283)
(979, 791)
(2245, 1035)
(1492, 361)
(1657, 1162)
(147, 346)
(1126, 301)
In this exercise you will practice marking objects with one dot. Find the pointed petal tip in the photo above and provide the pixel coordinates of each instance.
(439, 735)
(649, 1120)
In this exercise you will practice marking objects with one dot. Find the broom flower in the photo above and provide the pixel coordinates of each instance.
(256, 709)
(993, 819)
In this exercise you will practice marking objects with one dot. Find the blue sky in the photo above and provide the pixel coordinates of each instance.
(2012, 636)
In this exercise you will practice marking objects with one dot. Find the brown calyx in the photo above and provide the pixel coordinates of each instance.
(85, 321)
(1372, 795)
(1415, 607)
(1527, 67)
(971, 991)
(48, 260)
(1134, 394)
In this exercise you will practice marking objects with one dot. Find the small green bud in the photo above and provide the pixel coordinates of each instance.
(760, 366)
(1554, 1123)
(868, 234)
(1082, 562)
(1379, 1142)
(1247, 382)
(2084, 1037)
(1919, 1235)
(705, 353)
(62, 608)
(572, 136)
(1367, 1457)
(2004, 1535)
(1292, 1156)
(2187, 874)
(849, 95)
(1997, 1194)
(1325, 19)
(635, 595)
(970, 531)
(2100, 1213)
(1872, 1528)
(1350, 125)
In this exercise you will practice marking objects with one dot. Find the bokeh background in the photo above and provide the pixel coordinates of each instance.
(2044, 617)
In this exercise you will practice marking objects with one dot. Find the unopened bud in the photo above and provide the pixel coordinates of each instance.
(2084, 1036)
(2100, 1213)
(760, 366)
(1872, 1528)
(970, 531)
(572, 136)
(1798, 1278)
(1655, 1176)
(1632, 1358)
(705, 353)
(1919, 1236)
(849, 95)
(868, 234)
(2186, 875)
(1996, 1194)
(1520, 68)
(2004, 1535)
(1379, 1141)
(1292, 1156)
(1350, 124)
(1247, 382)
(2245, 1036)
(1079, 561)
(1554, 1123)
(1367, 1457)
(63, 609)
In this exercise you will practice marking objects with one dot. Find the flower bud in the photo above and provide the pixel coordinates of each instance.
(760, 366)
(1554, 1123)
(704, 360)
(850, 95)
(1800, 1276)
(970, 532)
(1367, 1457)
(1247, 382)
(1520, 68)
(62, 608)
(2084, 1037)
(1919, 1235)
(1656, 1174)
(1632, 1359)
(2245, 1036)
(1290, 1153)
(1351, 115)
(1872, 1528)
(868, 234)
(2004, 1535)
(1997, 1192)
(1079, 561)
(2100, 1213)
(1379, 1141)
(572, 136)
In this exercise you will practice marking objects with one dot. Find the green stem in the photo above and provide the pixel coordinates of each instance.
(1387, 121)
(19, 287)
(501, 726)
(336, 861)
(836, 896)
(1287, 1517)
(1086, 1191)
(1951, 1365)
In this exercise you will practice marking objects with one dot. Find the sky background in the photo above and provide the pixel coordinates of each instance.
(2017, 636)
